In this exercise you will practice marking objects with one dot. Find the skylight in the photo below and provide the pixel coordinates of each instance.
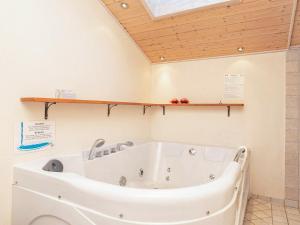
(160, 8)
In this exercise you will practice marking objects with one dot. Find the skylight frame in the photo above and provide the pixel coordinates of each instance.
(154, 17)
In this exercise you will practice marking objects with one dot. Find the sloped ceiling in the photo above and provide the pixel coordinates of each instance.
(255, 25)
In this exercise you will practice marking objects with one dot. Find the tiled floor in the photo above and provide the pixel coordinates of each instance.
(265, 212)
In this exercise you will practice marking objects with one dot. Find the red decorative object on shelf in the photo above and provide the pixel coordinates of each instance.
(174, 101)
(184, 101)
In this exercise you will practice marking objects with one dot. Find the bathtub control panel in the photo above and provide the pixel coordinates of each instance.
(113, 149)
(105, 152)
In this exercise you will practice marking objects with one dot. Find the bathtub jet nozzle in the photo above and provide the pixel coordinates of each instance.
(192, 151)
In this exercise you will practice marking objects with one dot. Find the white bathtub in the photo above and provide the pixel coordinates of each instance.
(166, 185)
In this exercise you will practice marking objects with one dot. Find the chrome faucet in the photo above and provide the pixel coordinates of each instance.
(97, 144)
(119, 145)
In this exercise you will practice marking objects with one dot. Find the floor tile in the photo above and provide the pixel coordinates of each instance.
(264, 212)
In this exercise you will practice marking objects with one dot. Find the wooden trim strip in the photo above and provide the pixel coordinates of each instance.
(293, 18)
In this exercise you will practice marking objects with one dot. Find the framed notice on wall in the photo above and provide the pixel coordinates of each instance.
(233, 87)
(35, 135)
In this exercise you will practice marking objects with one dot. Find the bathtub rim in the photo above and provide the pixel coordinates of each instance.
(36, 167)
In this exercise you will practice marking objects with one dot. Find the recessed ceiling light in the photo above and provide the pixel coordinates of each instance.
(162, 58)
(124, 5)
(240, 49)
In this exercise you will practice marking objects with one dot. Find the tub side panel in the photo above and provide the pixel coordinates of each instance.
(46, 210)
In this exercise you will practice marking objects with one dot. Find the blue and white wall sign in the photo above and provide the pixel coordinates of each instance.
(35, 135)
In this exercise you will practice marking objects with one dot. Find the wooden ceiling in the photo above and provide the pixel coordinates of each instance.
(255, 25)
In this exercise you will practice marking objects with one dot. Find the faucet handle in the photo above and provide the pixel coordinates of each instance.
(127, 143)
(113, 150)
(99, 154)
(106, 152)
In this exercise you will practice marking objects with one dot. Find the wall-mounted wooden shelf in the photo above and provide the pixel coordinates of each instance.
(110, 104)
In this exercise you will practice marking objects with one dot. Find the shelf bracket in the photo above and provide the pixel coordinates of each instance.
(145, 107)
(109, 108)
(164, 109)
(228, 110)
(47, 106)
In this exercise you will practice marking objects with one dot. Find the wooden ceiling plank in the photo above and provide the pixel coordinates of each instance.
(257, 25)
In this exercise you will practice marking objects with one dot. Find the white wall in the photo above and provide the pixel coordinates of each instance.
(72, 44)
(260, 126)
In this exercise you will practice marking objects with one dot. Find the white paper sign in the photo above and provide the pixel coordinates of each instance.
(36, 135)
(234, 87)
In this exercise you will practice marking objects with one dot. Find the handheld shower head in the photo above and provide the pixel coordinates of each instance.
(97, 144)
